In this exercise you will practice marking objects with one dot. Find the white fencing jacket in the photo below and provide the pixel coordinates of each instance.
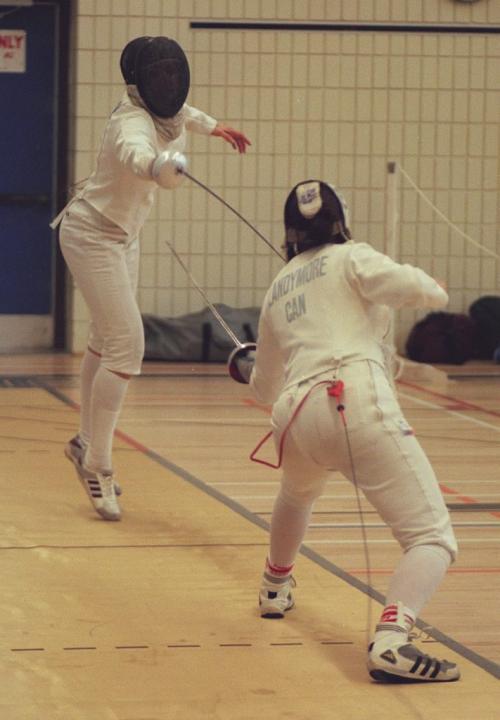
(330, 306)
(121, 187)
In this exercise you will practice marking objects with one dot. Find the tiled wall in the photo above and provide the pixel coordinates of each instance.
(329, 104)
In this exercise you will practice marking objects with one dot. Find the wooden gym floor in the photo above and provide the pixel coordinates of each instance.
(155, 618)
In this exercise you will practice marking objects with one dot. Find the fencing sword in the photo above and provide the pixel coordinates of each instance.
(233, 210)
(203, 294)
(168, 169)
(240, 350)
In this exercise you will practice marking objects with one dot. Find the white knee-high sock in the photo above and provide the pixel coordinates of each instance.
(108, 393)
(418, 575)
(288, 527)
(90, 365)
(415, 580)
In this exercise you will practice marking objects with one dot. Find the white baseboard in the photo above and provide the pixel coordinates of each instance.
(26, 332)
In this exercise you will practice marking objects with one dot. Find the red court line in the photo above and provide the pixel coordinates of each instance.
(466, 499)
(260, 406)
(132, 442)
(458, 404)
(118, 433)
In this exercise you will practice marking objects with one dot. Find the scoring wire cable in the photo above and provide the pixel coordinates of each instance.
(210, 306)
(364, 535)
(233, 210)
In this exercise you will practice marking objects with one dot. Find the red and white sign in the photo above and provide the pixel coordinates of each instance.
(13, 51)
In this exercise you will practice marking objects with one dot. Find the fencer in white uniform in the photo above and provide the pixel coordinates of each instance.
(99, 238)
(320, 360)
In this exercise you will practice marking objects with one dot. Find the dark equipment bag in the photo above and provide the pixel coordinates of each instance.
(198, 337)
(486, 314)
(442, 337)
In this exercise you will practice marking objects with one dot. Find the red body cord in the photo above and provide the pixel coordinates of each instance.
(335, 389)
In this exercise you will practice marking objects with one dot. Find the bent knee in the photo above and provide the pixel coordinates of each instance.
(301, 496)
(444, 543)
(124, 353)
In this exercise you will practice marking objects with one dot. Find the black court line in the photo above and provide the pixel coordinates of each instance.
(472, 507)
(337, 642)
(326, 512)
(175, 374)
(484, 663)
(37, 381)
(182, 646)
(17, 381)
(474, 376)
(426, 28)
(453, 507)
(285, 644)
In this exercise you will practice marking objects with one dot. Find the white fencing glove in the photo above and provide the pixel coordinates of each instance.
(168, 169)
(241, 361)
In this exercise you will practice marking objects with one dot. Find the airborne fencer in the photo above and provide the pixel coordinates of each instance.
(320, 361)
(99, 238)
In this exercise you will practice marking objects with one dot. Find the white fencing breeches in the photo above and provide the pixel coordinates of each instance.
(104, 262)
(391, 468)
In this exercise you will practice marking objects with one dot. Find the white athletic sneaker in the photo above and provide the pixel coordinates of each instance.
(100, 487)
(275, 600)
(74, 451)
(398, 660)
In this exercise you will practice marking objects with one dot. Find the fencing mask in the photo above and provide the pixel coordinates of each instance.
(161, 73)
(315, 214)
(128, 58)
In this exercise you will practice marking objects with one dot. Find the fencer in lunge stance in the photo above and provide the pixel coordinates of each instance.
(322, 324)
(99, 232)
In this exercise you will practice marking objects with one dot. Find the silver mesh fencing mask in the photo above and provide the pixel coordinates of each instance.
(162, 76)
(315, 214)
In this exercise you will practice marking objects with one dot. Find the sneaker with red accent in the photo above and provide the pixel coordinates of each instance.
(275, 599)
(75, 451)
(394, 660)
